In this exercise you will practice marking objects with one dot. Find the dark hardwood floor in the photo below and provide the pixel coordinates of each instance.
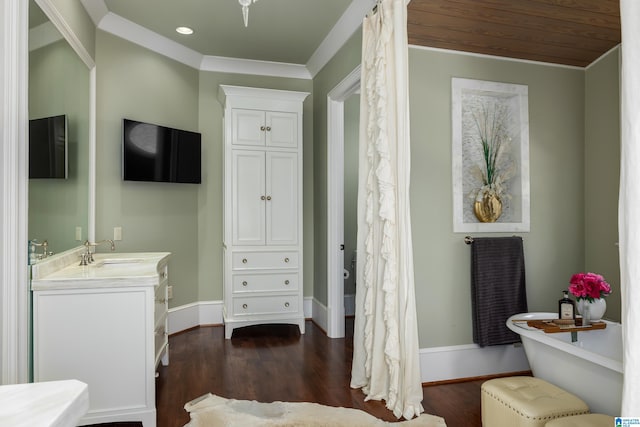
(275, 362)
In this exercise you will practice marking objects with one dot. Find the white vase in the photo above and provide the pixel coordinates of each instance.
(596, 308)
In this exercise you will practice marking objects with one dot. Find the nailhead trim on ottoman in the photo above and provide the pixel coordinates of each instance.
(526, 402)
(588, 420)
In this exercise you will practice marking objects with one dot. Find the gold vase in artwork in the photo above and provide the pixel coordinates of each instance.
(488, 208)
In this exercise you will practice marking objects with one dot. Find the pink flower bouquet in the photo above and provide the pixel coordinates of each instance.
(588, 286)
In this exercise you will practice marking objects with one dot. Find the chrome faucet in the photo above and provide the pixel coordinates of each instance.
(88, 256)
(45, 246)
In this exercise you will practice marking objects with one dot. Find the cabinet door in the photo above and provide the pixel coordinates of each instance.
(248, 195)
(282, 198)
(282, 129)
(248, 127)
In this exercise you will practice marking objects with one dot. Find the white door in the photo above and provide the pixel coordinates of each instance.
(282, 129)
(249, 197)
(248, 127)
(282, 195)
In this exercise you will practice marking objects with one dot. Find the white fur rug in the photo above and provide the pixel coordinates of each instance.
(210, 410)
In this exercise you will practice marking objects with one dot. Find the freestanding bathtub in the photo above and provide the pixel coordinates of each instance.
(590, 368)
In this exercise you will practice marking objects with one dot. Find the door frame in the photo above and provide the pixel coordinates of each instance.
(335, 201)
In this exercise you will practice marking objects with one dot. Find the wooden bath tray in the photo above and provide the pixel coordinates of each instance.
(549, 327)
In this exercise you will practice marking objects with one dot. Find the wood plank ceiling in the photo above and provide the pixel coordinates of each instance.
(569, 32)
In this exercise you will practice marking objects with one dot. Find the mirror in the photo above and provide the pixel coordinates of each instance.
(59, 83)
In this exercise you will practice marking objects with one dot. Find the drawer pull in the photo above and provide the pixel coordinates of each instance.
(244, 283)
(286, 304)
(286, 282)
(244, 260)
(286, 260)
(244, 305)
(163, 275)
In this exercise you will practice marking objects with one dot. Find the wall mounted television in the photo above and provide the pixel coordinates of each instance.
(48, 147)
(160, 154)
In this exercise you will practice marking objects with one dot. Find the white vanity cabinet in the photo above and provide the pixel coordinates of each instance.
(262, 207)
(106, 325)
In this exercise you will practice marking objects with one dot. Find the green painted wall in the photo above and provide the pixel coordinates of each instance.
(602, 173)
(184, 219)
(343, 63)
(554, 249)
(141, 85)
(59, 84)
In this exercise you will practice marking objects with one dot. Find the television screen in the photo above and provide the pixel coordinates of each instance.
(160, 154)
(48, 147)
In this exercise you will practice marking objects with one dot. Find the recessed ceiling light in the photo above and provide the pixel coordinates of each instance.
(184, 30)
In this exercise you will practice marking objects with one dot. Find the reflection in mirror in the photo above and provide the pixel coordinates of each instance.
(59, 85)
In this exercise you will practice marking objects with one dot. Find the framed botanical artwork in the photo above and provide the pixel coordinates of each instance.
(490, 162)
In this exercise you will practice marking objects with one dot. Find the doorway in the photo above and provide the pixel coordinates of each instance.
(335, 201)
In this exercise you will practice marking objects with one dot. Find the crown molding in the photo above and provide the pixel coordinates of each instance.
(43, 35)
(123, 28)
(253, 67)
(346, 26)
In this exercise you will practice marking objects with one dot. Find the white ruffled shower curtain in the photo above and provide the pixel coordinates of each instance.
(385, 347)
(629, 205)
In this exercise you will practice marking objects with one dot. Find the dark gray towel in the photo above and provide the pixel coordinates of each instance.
(497, 288)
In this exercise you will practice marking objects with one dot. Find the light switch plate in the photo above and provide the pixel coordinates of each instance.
(78, 233)
(117, 233)
(169, 292)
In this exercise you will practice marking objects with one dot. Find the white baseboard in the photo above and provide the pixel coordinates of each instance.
(208, 313)
(436, 364)
(470, 360)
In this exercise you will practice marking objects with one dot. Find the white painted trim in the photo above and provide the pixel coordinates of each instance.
(14, 160)
(123, 28)
(495, 57)
(335, 201)
(601, 57)
(58, 21)
(254, 67)
(471, 360)
(43, 35)
(346, 26)
(436, 364)
(96, 9)
(203, 313)
(91, 212)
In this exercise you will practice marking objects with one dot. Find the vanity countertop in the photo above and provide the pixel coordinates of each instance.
(51, 403)
(109, 269)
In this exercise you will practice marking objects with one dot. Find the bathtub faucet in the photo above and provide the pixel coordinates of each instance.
(88, 245)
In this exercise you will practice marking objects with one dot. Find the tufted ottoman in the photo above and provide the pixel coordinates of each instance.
(526, 402)
(587, 420)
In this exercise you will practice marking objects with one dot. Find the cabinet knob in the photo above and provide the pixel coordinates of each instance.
(262, 197)
(286, 260)
(163, 275)
(244, 305)
(244, 260)
(268, 197)
(244, 283)
(262, 128)
(268, 128)
(286, 304)
(286, 282)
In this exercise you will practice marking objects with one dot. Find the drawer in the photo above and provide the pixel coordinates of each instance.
(265, 282)
(276, 304)
(264, 260)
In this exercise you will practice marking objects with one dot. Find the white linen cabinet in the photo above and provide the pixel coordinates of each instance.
(262, 207)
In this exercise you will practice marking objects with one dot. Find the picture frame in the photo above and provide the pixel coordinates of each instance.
(490, 156)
